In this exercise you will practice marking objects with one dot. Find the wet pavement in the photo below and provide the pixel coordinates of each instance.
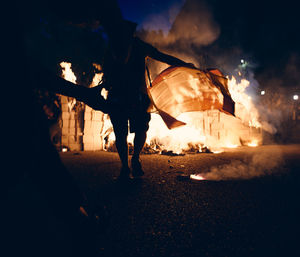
(256, 214)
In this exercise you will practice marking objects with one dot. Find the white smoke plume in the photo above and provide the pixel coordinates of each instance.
(255, 164)
(180, 29)
(194, 25)
(161, 22)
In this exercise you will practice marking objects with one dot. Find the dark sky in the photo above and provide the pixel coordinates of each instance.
(267, 31)
(265, 26)
(138, 11)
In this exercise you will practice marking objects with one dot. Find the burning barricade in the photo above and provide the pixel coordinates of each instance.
(193, 111)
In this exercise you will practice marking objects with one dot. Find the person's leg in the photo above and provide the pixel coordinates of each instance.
(139, 142)
(120, 125)
(122, 147)
(139, 124)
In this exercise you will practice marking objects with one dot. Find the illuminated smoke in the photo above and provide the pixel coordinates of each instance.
(193, 26)
(260, 163)
(195, 30)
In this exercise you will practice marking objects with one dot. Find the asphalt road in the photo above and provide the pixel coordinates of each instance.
(248, 207)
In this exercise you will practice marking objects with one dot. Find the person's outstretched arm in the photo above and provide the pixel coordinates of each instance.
(166, 58)
(45, 79)
(169, 59)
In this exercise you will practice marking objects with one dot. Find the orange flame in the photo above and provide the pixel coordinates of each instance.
(211, 129)
(253, 143)
(67, 72)
(244, 107)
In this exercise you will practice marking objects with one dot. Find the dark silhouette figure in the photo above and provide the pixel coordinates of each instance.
(43, 211)
(125, 82)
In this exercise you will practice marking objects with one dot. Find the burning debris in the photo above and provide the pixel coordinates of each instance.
(178, 90)
(199, 99)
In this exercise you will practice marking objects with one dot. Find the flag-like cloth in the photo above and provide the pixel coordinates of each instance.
(178, 90)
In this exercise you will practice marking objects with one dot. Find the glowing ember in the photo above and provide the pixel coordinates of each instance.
(197, 177)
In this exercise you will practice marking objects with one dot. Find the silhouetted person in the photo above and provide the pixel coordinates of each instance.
(127, 92)
(38, 188)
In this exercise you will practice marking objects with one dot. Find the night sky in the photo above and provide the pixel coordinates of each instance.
(266, 32)
(139, 10)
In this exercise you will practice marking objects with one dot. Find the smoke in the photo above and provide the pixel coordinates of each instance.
(276, 107)
(181, 30)
(256, 164)
(161, 22)
(191, 32)
(274, 110)
(292, 68)
(195, 25)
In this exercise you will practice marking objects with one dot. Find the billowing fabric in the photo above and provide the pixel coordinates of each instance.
(180, 89)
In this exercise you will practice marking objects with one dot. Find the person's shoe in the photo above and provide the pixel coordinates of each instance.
(124, 175)
(137, 170)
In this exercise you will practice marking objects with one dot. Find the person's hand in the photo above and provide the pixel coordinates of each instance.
(190, 65)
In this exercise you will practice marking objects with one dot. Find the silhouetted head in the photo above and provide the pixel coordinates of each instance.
(129, 27)
(84, 11)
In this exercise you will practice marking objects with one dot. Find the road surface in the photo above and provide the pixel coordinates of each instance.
(248, 207)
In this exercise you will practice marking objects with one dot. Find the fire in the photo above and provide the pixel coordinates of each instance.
(177, 139)
(218, 151)
(98, 78)
(205, 131)
(206, 128)
(189, 138)
(231, 146)
(253, 143)
(197, 177)
(64, 149)
(244, 107)
(67, 72)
